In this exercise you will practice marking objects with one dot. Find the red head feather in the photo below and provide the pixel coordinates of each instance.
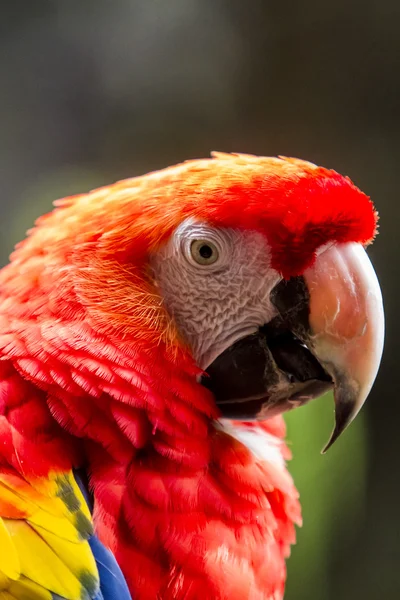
(101, 240)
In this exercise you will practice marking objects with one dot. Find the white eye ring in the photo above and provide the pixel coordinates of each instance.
(204, 252)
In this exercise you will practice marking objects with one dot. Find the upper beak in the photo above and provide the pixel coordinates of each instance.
(328, 333)
(346, 323)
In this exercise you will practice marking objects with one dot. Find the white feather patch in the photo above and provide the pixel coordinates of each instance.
(263, 445)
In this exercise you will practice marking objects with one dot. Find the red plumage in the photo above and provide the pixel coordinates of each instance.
(95, 374)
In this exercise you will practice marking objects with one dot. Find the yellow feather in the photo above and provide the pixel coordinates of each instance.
(25, 589)
(50, 513)
(4, 582)
(9, 496)
(40, 563)
(43, 547)
(26, 498)
(70, 493)
(65, 512)
(9, 562)
(66, 495)
(77, 557)
(64, 528)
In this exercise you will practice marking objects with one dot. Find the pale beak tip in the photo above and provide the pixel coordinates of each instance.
(341, 423)
(347, 405)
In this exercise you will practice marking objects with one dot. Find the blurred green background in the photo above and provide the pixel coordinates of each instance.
(97, 90)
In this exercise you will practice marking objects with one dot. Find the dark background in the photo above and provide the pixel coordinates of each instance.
(96, 90)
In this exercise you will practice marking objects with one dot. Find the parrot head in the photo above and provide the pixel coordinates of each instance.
(268, 280)
(249, 273)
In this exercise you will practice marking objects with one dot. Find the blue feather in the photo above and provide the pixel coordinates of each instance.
(112, 582)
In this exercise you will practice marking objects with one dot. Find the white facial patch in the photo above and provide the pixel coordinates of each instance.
(216, 284)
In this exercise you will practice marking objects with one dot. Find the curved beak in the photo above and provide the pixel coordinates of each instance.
(346, 326)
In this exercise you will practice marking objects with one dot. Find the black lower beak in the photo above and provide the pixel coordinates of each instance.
(264, 374)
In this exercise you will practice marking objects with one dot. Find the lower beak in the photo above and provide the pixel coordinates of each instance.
(328, 333)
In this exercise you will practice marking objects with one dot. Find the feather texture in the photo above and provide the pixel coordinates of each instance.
(47, 546)
(44, 528)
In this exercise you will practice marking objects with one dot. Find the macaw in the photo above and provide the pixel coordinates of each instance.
(152, 333)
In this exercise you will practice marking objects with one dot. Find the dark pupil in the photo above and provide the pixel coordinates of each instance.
(205, 251)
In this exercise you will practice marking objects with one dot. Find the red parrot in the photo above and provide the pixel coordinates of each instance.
(151, 334)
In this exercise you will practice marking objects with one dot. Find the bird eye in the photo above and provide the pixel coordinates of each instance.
(204, 252)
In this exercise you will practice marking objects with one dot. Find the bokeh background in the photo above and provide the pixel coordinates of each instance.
(92, 91)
